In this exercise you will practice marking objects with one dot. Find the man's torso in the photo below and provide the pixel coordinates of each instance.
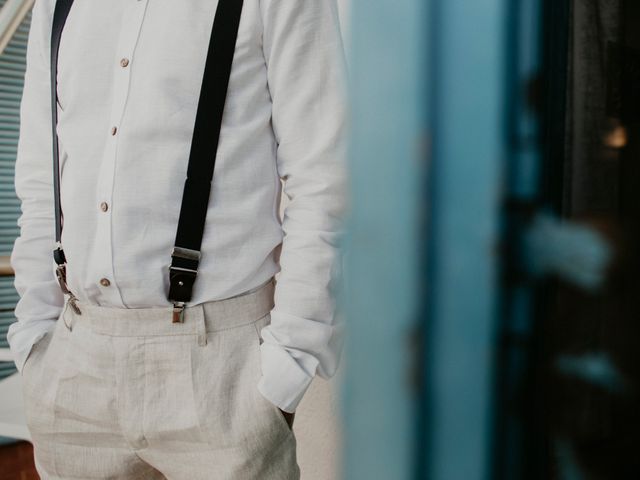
(129, 80)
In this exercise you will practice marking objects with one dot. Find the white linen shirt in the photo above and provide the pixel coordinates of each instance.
(129, 78)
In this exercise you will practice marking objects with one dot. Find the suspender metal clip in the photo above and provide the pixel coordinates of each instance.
(182, 275)
(61, 274)
(61, 269)
(178, 312)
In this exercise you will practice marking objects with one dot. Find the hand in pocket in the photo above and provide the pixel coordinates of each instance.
(289, 417)
(35, 350)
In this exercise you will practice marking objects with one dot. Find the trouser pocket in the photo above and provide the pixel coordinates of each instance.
(35, 352)
(40, 375)
(231, 410)
(41, 346)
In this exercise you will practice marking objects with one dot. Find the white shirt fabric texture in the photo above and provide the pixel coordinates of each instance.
(129, 79)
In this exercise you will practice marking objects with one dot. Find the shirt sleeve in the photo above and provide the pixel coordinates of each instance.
(307, 79)
(41, 299)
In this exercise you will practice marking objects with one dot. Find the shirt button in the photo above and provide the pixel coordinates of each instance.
(124, 62)
(114, 130)
(105, 282)
(104, 206)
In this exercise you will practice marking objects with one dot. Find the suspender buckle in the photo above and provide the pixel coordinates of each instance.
(186, 253)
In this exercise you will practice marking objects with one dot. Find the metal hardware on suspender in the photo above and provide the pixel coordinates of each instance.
(61, 274)
(182, 274)
(61, 269)
(74, 305)
(178, 312)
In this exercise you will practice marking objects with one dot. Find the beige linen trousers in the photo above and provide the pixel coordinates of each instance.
(117, 393)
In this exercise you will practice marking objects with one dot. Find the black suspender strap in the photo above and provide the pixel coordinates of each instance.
(185, 255)
(59, 18)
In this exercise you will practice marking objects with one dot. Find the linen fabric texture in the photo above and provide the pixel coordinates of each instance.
(126, 394)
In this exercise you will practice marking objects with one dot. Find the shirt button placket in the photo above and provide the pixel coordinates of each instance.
(105, 261)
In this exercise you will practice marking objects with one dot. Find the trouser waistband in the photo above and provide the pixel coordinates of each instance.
(198, 319)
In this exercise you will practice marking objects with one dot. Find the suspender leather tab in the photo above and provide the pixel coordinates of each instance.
(58, 255)
(182, 273)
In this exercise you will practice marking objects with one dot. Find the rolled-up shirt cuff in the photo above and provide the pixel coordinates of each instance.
(283, 381)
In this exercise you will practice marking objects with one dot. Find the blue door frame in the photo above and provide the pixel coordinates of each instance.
(389, 86)
(431, 97)
(466, 181)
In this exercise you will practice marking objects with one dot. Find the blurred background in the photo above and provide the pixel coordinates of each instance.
(491, 289)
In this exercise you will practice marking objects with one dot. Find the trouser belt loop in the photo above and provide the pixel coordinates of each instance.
(202, 326)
